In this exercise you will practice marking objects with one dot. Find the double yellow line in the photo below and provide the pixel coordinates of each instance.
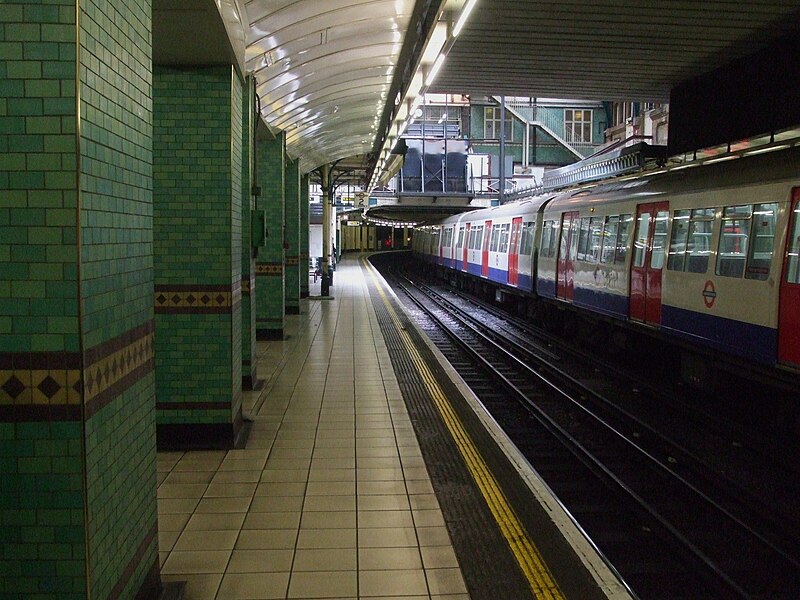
(530, 560)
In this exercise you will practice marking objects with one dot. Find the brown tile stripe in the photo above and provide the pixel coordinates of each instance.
(304, 256)
(193, 405)
(44, 386)
(197, 299)
(130, 568)
(269, 269)
(292, 261)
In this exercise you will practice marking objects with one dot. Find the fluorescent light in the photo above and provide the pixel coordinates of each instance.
(721, 159)
(462, 17)
(765, 150)
(434, 69)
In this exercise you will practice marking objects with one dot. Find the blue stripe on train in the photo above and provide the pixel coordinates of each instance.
(613, 305)
(742, 339)
(546, 287)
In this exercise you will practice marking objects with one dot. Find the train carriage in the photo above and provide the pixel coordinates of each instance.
(709, 254)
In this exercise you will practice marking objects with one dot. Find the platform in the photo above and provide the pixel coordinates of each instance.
(364, 477)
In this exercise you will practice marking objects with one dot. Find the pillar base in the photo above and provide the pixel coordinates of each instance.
(269, 334)
(252, 384)
(203, 436)
(292, 310)
(304, 294)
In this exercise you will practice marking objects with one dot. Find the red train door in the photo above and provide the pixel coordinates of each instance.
(647, 262)
(567, 250)
(513, 251)
(487, 233)
(466, 248)
(789, 314)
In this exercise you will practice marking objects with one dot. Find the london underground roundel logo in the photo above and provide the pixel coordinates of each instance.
(709, 294)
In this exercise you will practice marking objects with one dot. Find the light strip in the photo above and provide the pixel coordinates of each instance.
(437, 65)
(462, 18)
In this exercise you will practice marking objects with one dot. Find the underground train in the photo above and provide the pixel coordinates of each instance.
(709, 254)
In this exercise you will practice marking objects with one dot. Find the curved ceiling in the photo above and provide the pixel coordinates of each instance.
(324, 69)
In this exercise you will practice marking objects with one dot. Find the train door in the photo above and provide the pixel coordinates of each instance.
(487, 233)
(567, 250)
(789, 315)
(513, 251)
(647, 263)
(466, 249)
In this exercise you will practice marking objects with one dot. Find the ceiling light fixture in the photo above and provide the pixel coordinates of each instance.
(463, 16)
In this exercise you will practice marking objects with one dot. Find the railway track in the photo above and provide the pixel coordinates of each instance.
(666, 522)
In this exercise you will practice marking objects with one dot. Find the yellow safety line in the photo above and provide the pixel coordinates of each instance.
(530, 560)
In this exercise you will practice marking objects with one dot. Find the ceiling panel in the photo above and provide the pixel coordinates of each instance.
(323, 69)
(605, 49)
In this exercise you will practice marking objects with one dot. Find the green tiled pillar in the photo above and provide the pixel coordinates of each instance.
(270, 284)
(304, 230)
(197, 242)
(292, 239)
(249, 362)
(77, 405)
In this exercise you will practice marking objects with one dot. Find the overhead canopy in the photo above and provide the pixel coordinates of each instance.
(605, 49)
(327, 70)
(324, 69)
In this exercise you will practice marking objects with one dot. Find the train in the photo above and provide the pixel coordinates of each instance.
(707, 254)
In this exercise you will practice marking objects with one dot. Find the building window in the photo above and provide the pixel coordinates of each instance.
(578, 126)
(491, 124)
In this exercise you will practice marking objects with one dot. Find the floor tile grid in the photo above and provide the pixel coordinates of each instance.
(441, 571)
(339, 390)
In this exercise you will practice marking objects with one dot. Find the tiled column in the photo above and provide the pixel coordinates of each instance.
(197, 237)
(292, 239)
(304, 228)
(270, 286)
(249, 362)
(77, 408)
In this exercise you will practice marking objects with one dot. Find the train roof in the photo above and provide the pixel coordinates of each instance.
(759, 169)
(528, 205)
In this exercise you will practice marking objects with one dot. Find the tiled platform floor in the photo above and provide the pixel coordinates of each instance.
(331, 497)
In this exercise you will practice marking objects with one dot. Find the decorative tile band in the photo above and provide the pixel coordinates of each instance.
(44, 386)
(304, 256)
(196, 299)
(271, 269)
(292, 261)
(113, 367)
(33, 381)
(249, 284)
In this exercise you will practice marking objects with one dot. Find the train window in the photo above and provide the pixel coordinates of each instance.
(793, 259)
(659, 240)
(479, 238)
(609, 239)
(562, 249)
(642, 236)
(526, 246)
(621, 254)
(549, 237)
(677, 243)
(733, 240)
(595, 235)
(583, 241)
(698, 247)
(503, 247)
(460, 242)
(495, 239)
(762, 241)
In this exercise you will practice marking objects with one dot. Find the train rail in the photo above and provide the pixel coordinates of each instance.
(665, 521)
